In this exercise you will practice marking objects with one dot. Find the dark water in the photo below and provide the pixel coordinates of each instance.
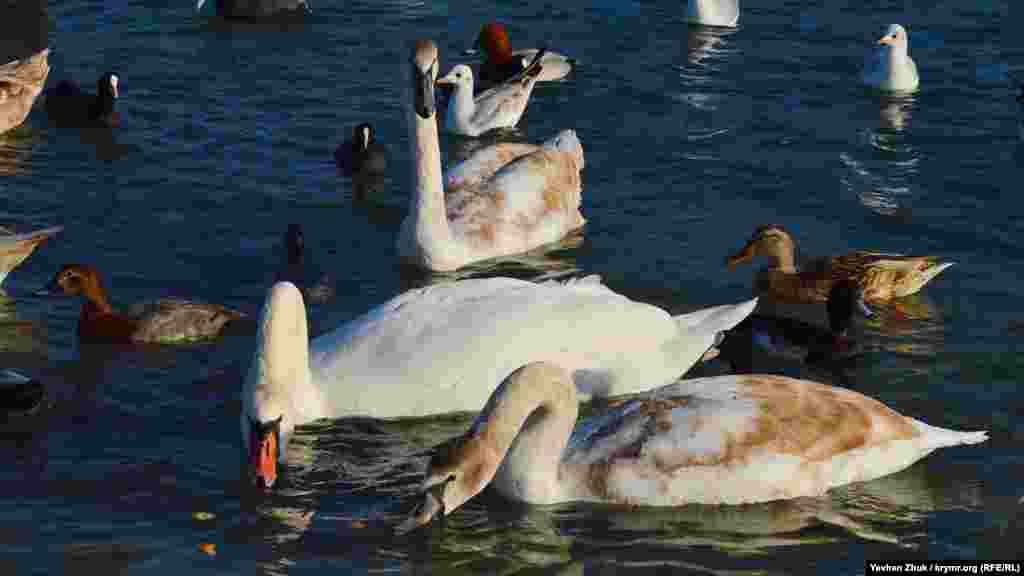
(692, 138)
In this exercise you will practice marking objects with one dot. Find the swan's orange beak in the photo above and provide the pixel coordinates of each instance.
(266, 461)
(263, 452)
(746, 253)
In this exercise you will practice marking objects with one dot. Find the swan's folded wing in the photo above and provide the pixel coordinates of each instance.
(707, 439)
(544, 185)
(483, 163)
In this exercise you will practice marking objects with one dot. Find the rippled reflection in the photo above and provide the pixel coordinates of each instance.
(882, 173)
(708, 43)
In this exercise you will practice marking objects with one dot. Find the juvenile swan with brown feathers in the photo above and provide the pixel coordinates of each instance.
(507, 198)
(720, 440)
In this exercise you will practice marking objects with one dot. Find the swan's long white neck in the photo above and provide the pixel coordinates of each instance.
(427, 206)
(526, 424)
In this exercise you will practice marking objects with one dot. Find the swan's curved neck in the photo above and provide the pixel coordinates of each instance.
(526, 425)
(427, 207)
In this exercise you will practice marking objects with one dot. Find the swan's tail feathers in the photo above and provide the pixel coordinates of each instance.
(943, 437)
(569, 142)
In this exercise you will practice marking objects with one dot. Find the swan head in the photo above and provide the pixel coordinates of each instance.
(459, 470)
(769, 240)
(274, 387)
(459, 77)
(424, 74)
(895, 36)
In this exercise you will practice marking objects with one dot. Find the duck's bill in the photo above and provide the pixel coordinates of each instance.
(430, 508)
(470, 51)
(711, 354)
(740, 257)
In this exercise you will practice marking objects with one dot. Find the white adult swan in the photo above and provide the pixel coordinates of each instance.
(435, 349)
(724, 13)
(720, 440)
(500, 106)
(892, 70)
(507, 198)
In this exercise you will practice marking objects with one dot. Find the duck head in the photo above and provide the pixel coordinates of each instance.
(769, 240)
(74, 280)
(494, 41)
(424, 75)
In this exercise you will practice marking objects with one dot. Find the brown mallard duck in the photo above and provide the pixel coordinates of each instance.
(880, 276)
(21, 82)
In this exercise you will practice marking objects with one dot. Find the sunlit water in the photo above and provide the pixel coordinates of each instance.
(693, 137)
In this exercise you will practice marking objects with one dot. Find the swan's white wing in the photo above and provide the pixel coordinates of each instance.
(483, 163)
(736, 439)
(442, 348)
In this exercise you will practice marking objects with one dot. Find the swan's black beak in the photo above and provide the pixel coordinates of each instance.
(423, 88)
(430, 511)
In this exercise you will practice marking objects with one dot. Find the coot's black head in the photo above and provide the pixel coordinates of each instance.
(362, 136)
(844, 299)
(295, 243)
(107, 86)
